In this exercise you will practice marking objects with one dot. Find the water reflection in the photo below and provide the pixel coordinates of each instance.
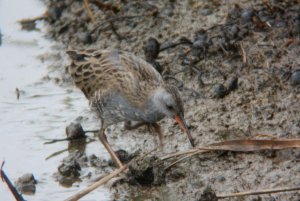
(34, 109)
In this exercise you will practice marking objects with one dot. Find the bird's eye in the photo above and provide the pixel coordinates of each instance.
(170, 107)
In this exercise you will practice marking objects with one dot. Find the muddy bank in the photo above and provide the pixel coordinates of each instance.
(237, 66)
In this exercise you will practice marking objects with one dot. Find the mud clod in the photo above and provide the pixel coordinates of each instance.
(232, 83)
(219, 91)
(74, 131)
(148, 171)
(26, 184)
(69, 170)
(151, 49)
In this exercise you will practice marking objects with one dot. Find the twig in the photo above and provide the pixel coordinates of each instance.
(88, 10)
(92, 187)
(244, 53)
(9, 184)
(172, 155)
(185, 157)
(105, 179)
(263, 191)
(243, 145)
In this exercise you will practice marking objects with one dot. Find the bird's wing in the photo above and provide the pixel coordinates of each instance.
(101, 71)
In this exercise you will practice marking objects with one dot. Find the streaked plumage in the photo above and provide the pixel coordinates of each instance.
(123, 87)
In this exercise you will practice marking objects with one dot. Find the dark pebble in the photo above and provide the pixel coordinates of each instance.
(74, 131)
(295, 78)
(146, 171)
(70, 169)
(71, 165)
(232, 83)
(26, 184)
(151, 49)
(219, 91)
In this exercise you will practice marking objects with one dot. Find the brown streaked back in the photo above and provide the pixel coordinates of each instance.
(102, 71)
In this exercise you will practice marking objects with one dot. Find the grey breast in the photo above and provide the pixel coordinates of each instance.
(115, 108)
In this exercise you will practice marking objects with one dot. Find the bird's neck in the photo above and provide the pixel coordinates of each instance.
(154, 113)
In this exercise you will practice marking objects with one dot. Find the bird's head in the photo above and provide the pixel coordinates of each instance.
(169, 102)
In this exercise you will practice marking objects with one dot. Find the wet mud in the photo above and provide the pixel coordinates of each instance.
(237, 66)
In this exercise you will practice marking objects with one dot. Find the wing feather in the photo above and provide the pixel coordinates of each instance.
(104, 71)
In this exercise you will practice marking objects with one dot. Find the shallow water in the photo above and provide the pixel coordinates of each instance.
(42, 111)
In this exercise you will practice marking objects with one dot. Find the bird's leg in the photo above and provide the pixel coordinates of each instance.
(157, 129)
(113, 155)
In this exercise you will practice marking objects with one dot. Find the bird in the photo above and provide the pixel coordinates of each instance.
(122, 87)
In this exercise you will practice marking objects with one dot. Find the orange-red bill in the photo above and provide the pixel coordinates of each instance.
(181, 122)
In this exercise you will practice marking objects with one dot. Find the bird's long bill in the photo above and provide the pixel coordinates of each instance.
(181, 122)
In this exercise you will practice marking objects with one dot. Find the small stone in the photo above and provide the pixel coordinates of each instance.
(71, 165)
(151, 49)
(26, 184)
(219, 91)
(70, 169)
(295, 78)
(74, 131)
(232, 83)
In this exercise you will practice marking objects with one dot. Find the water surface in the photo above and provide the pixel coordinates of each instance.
(42, 111)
